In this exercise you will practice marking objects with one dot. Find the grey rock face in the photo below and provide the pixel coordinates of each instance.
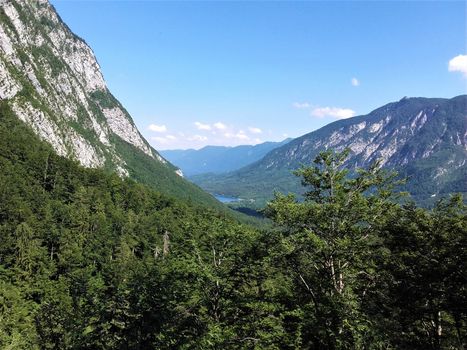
(52, 81)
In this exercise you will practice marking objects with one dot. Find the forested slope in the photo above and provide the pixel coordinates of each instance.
(425, 139)
(86, 258)
(92, 261)
(51, 80)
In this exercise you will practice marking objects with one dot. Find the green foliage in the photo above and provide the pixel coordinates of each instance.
(47, 22)
(424, 281)
(45, 53)
(4, 19)
(330, 241)
(104, 98)
(89, 260)
(143, 169)
(92, 261)
(256, 189)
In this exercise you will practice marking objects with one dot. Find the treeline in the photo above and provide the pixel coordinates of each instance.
(91, 261)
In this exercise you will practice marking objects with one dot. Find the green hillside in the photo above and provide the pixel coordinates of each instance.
(52, 82)
(89, 260)
(424, 139)
(104, 246)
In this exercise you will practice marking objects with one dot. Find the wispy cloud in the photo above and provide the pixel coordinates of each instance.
(355, 82)
(301, 105)
(220, 126)
(240, 135)
(322, 112)
(201, 126)
(157, 128)
(200, 134)
(197, 138)
(254, 130)
(335, 112)
(458, 64)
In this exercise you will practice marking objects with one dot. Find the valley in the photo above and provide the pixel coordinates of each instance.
(423, 139)
(107, 242)
(217, 159)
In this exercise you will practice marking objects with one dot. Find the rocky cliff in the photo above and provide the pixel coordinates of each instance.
(52, 81)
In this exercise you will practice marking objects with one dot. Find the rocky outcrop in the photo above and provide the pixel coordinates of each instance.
(410, 130)
(52, 81)
(424, 139)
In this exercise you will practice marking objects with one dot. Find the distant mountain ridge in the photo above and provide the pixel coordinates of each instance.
(424, 139)
(51, 80)
(218, 159)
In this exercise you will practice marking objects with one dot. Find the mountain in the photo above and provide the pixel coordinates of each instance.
(93, 261)
(425, 139)
(218, 159)
(51, 80)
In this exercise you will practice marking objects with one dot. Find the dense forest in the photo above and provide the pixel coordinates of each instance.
(89, 260)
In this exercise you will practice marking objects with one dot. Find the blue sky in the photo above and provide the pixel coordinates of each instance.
(226, 73)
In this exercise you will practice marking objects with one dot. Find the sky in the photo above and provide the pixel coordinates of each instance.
(196, 73)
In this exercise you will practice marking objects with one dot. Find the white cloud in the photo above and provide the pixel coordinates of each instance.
(355, 82)
(335, 112)
(240, 135)
(321, 112)
(201, 126)
(170, 137)
(157, 128)
(220, 126)
(301, 105)
(197, 138)
(458, 64)
(254, 130)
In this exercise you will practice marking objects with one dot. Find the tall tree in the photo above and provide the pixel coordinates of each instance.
(424, 294)
(328, 247)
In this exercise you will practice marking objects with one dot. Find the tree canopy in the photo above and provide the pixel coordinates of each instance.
(92, 261)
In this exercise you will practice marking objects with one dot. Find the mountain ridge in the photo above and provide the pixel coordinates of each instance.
(219, 159)
(51, 80)
(402, 135)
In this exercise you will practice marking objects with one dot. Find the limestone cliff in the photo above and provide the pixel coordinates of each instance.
(52, 81)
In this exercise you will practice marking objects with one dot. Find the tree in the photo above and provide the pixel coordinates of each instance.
(424, 292)
(328, 245)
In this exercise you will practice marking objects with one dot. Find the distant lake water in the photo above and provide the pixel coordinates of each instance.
(225, 199)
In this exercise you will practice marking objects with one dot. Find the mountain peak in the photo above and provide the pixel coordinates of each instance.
(423, 138)
(51, 80)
